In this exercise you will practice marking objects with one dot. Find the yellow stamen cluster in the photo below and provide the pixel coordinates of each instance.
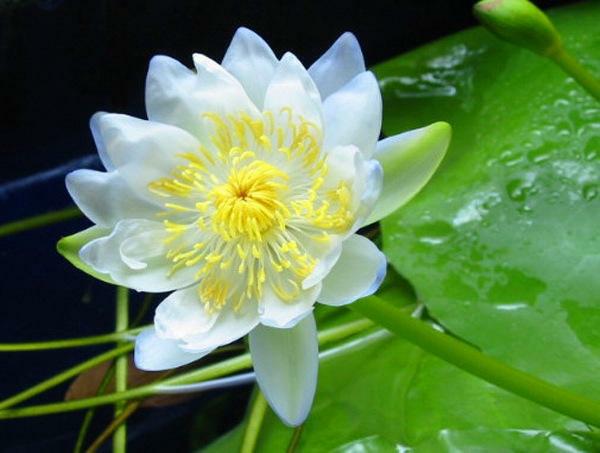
(248, 203)
(249, 208)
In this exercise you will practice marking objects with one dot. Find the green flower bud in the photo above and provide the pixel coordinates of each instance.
(519, 22)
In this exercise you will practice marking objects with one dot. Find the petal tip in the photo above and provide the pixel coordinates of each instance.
(295, 420)
(290, 58)
(245, 33)
(349, 38)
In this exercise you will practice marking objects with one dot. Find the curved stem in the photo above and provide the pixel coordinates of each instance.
(471, 360)
(89, 415)
(295, 440)
(216, 370)
(121, 364)
(72, 342)
(65, 375)
(39, 221)
(576, 70)
(113, 427)
(258, 409)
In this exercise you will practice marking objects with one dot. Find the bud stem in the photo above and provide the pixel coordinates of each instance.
(576, 70)
(522, 23)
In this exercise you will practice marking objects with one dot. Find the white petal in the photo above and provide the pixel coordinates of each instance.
(134, 255)
(250, 59)
(155, 354)
(291, 86)
(172, 94)
(363, 177)
(99, 140)
(182, 315)
(229, 326)
(323, 266)
(105, 198)
(340, 64)
(143, 151)
(342, 164)
(409, 160)
(369, 186)
(275, 312)
(286, 362)
(222, 93)
(179, 96)
(358, 273)
(352, 115)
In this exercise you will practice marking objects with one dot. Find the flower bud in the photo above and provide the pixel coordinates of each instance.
(519, 22)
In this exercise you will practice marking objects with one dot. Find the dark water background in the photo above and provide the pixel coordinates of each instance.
(60, 61)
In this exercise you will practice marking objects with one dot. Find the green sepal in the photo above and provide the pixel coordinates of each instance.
(69, 247)
(409, 160)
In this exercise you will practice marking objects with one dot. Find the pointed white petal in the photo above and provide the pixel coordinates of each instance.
(358, 273)
(182, 315)
(286, 363)
(363, 177)
(143, 151)
(352, 115)
(369, 187)
(105, 198)
(172, 94)
(323, 266)
(99, 140)
(336, 67)
(134, 255)
(179, 96)
(291, 86)
(222, 93)
(409, 160)
(229, 326)
(153, 353)
(275, 312)
(250, 59)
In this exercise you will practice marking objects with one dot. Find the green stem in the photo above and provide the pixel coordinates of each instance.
(71, 342)
(572, 67)
(471, 360)
(119, 421)
(295, 440)
(65, 375)
(39, 221)
(146, 303)
(214, 371)
(121, 363)
(89, 415)
(258, 410)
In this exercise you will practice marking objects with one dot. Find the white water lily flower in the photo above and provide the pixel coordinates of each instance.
(242, 194)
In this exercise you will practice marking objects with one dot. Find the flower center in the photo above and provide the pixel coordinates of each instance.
(251, 211)
(249, 203)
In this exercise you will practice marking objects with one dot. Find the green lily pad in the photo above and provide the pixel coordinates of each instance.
(501, 246)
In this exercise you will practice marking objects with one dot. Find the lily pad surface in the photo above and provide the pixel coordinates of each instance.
(503, 246)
